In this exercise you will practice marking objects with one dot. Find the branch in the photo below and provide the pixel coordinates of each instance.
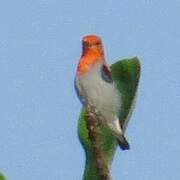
(94, 136)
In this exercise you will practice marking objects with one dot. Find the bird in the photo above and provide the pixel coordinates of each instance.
(96, 88)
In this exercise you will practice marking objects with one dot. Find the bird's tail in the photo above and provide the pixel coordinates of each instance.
(123, 143)
(117, 129)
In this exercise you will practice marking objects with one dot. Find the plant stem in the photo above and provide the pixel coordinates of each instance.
(97, 152)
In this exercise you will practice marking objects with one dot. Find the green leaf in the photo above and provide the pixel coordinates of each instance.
(126, 74)
(2, 177)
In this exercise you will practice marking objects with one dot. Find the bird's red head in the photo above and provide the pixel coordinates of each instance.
(92, 51)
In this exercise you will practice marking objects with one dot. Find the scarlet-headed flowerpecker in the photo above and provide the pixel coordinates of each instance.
(96, 87)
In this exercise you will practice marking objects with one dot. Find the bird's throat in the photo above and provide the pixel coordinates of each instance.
(93, 52)
(89, 58)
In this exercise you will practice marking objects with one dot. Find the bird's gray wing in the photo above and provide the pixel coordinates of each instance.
(106, 73)
(79, 90)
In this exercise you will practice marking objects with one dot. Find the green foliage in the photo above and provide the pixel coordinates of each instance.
(2, 177)
(109, 145)
(126, 75)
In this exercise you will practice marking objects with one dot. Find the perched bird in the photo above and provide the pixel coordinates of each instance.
(96, 87)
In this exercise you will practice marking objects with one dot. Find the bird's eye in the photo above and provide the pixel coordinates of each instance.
(85, 44)
(96, 44)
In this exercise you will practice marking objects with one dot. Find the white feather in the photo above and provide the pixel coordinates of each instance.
(103, 95)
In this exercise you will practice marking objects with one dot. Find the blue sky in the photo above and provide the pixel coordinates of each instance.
(40, 44)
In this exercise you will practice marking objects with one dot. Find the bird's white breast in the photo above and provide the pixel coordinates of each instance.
(103, 95)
